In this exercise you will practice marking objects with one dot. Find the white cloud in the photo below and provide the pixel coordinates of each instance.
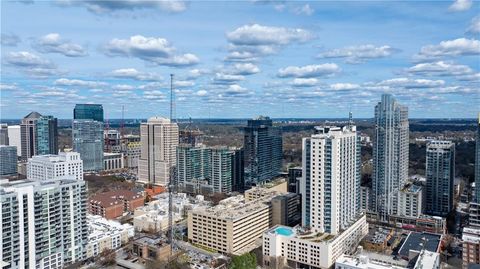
(183, 83)
(123, 87)
(474, 27)
(9, 39)
(344, 86)
(8, 87)
(221, 78)
(132, 73)
(236, 90)
(359, 54)
(196, 73)
(411, 83)
(202, 93)
(304, 10)
(457, 47)
(251, 41)
(304, 82)
(153, 50)
(53, 43)
(440, 68)
(101, 7)
(460, 5)
(309, 71)
(245, 69)
(32, 64)
(78, 82)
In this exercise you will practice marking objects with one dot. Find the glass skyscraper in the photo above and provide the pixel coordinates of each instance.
(263, 150)
(47, 135)
(88, 112)
(88, 141)
(390, 155)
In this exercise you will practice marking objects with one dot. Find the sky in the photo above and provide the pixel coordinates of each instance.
(239, 59)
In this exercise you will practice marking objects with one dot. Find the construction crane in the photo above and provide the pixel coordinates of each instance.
(172, 178)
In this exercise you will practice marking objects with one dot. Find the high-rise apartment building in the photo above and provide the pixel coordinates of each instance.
(477, 162)
(44, 223)
(159, 139)
(87, 138)
(410, 202)
(440, 174)
(390, 155)
(28, 133)
(263, 150)
(4, 134)
(88, 112)
(8, 160)
(46, 135)
(14, 138)
(55, 167)
(334, 179)
(220, 167)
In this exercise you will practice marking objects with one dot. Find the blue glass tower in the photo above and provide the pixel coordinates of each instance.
(47, 135)
(88, 112)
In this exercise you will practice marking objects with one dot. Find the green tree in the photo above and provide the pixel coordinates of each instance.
(245, 261)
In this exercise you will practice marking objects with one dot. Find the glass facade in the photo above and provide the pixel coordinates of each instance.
(47, 135)
(88, 141)
(88, 112)
(263, 150)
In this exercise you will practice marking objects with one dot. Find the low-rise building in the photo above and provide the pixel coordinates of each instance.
(297, 247)
(416, 242)
(113, 204)
(112, 161)
(63, 165)
(104, 234)
(471, 246)
(151, 248)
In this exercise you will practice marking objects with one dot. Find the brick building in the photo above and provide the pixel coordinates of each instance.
(113, 204)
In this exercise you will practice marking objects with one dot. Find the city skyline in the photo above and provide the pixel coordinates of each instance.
(282, 59)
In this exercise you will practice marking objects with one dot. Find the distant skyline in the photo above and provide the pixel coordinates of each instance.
(240, 59)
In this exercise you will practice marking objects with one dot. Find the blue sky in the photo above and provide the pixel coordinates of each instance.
(240, 59)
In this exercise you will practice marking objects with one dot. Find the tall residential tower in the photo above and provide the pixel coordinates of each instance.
(390, 155)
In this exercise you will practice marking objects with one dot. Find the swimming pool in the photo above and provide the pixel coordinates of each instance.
(284, 231)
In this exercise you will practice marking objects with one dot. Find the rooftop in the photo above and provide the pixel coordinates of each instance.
(114, 197)
(99, 227)
(418, 241)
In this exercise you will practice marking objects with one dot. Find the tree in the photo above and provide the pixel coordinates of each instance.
(245, 261)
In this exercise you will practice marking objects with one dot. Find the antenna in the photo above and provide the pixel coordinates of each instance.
(172, 100)
(122, 125)
(172, 176)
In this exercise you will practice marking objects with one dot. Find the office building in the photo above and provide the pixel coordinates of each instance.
(28, 135)
(4, 134)
(87, 138)
(440, 174)
(46, 135)
(286, 209)
(238, 182)
(54, 167)
(44, 223)
(263, 150)
(14, 138)
(88, 112)
(159, 141)
(113, 161)
(133, 152)
(8, 160)
(410, 201)
(331, 200)
(294, 178)
(113, 204)
(471, 246)
(390, 155)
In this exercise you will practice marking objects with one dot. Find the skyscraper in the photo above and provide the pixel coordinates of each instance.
(44, 223)
(477, 162)
(88, 112)
(440, 173)
(4, 134)
(193, 163)
(14, 138)
(46, 135)
(390, 155)
(331, 201)
(87, 135)
(28, 133)
(159, 140)
(87, 138)
(263, 150)
(8, 160)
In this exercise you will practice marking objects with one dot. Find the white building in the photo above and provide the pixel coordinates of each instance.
(104, 234)
(297, 247)
(410, 201)
(369, 260)
(52, 167)
(331, 184)
(43, 223)
(14, 138)
(159, 141)
(112, 161)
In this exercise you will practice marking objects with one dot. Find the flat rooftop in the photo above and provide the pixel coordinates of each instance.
(418, 241)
